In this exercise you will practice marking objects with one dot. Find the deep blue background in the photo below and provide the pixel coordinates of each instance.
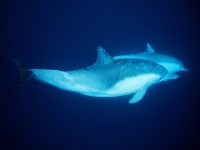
(63, 35)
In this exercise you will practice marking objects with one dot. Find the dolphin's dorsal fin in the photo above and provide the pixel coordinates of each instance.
(149, 49)
(103, 57)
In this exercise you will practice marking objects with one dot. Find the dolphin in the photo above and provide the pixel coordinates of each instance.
(170, 63)
(107, 77)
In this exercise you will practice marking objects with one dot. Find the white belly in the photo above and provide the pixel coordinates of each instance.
(132, 84)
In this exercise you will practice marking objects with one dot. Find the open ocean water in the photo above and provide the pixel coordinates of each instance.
(63, 35)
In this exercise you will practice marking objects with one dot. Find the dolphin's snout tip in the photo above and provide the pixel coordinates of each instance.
(185, 69)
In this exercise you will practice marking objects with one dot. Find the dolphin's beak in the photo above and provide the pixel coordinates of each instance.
(184, 69)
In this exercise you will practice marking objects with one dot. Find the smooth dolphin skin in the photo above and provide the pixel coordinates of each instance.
(170, 63)
(106, 78)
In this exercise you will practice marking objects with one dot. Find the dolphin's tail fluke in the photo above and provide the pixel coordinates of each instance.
(25, 73)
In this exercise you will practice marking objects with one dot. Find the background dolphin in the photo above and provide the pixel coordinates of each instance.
(170, 63)
(106, 78)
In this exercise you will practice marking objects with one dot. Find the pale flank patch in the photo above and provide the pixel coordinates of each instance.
(132, 84)
(67, 76)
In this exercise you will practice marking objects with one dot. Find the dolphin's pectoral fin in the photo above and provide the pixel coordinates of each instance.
(170, 76)
(137, 96)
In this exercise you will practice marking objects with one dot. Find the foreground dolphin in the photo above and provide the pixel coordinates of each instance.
(106, 78)
(170, 63)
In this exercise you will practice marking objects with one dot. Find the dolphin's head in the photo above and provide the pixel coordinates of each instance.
(183, 69)
(170, 63)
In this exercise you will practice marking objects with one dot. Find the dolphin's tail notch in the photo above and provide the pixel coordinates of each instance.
(25, 73)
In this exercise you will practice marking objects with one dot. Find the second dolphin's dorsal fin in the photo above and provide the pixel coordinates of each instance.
(149, 49)
(103, 57)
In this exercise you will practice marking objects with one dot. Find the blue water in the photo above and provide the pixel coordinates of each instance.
(64, 35)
